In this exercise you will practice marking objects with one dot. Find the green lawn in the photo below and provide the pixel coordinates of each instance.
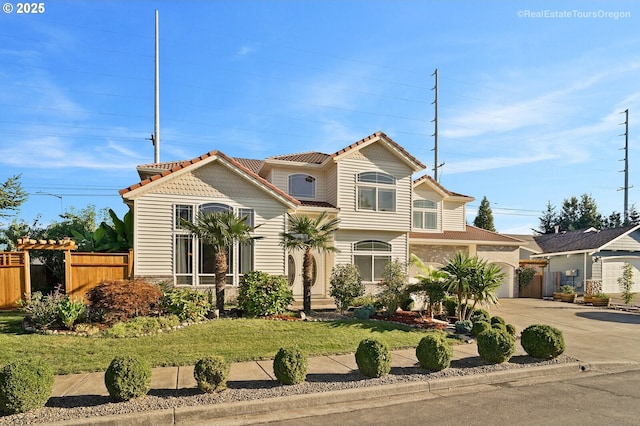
(234, 339)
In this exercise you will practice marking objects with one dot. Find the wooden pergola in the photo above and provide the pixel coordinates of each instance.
(26, 244)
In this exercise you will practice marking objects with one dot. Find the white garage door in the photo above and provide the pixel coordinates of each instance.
(612, 270)
(506, 289)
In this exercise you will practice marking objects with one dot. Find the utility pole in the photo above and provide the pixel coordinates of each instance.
(436, 165)
(155, 139)
(626, 165)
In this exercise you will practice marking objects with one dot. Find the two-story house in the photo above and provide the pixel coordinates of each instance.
(384, 215)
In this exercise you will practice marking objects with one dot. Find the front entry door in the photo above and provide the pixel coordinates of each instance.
(294, 272)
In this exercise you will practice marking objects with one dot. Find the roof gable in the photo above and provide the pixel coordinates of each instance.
(385, 140)
(193, 164)
(438, 188)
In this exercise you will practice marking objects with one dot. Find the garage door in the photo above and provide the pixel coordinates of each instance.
(612, 270)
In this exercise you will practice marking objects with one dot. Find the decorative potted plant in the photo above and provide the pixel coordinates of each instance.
(568, 294)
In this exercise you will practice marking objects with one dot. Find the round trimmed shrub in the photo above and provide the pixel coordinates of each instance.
(479, 327)
(496, 346)
(511, 329)
(211, 373)
(290, 366)
(433, 352)
(464, 327)
(500, 326)
(373, 358)
(24, 386)
(542, 341)
(498, 320)
(364, 312)
(480, 315)
(127, 377)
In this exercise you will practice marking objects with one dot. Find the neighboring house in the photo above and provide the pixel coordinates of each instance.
(589, 254)
(384, 215)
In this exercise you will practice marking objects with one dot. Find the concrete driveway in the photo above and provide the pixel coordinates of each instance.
(593, 335)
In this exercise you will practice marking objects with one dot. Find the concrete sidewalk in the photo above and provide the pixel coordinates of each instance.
(176, 378)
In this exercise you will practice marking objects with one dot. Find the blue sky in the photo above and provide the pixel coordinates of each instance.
(529, 107)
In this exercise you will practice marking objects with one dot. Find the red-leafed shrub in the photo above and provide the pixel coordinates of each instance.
(123, 299)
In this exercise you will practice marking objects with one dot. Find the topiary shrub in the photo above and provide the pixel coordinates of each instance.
(464, 327)
(480, 315)
(498, 320)
(24, 386)
(127, 377)
(211, 374)
(496, 346)
(433, 352)
(186, 304)
(373, 358)
(511, 329)
(262, 294)
(290, 366)
(364, 312)
(542, 341)
(120, 300)
(500, 326)
(479, 327)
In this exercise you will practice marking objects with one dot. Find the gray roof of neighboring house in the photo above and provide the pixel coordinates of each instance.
(582, 239)
(530, 242)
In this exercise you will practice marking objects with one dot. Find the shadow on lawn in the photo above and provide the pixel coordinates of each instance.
(373, 325)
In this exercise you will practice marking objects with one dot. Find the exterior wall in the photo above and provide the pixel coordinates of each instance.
(374, 158)
(629, 242)
(154, 216)
(436, 255)
(563, 263)
(280, 178)
(453, 216)
(332, 185)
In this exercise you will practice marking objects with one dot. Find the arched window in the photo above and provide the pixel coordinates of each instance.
(370, 257)
(425, 214)
(376, 191)
(215, 207)
(302, 185)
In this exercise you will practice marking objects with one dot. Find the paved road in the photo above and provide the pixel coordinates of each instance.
(609, 399)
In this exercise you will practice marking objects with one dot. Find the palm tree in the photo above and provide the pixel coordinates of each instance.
(307, 234)
(431, 282)
(220, 230)
(460, 268)
(485, 283)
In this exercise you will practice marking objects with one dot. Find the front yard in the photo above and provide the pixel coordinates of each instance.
(234, 339)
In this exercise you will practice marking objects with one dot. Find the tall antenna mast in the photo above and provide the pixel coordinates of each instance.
(626, 165)
(156, 115)
(436, 165)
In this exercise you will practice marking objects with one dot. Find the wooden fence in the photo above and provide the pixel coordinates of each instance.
(13, 274)
(83, 271)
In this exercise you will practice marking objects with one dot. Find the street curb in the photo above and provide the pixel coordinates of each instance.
(298, 406)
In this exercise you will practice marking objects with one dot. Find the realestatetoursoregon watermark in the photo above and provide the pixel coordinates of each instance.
(572, 14)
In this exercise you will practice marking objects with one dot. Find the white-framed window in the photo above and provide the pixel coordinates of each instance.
(370, 257)
(376, 191)
(425, 214)
(194, 261)
(302, 185)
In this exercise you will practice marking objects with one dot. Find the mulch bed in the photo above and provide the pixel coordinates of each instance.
(411, 318)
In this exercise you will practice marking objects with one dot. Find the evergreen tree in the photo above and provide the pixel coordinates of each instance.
(484, 219)
(548, 220)
(613, 221)
(11, 195)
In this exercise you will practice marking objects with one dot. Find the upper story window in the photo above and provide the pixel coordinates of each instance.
(182, 212)
(425, 214)
(215, 207)
(376, 191)
(302, 185)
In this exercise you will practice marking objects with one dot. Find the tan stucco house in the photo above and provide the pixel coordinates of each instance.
(384, 215)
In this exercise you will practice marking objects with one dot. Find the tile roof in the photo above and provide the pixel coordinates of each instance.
(161, 166)
(582, 239)
(251, 164)
(470, 234)
(304, 157)
(324, 204)
(428, 178)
